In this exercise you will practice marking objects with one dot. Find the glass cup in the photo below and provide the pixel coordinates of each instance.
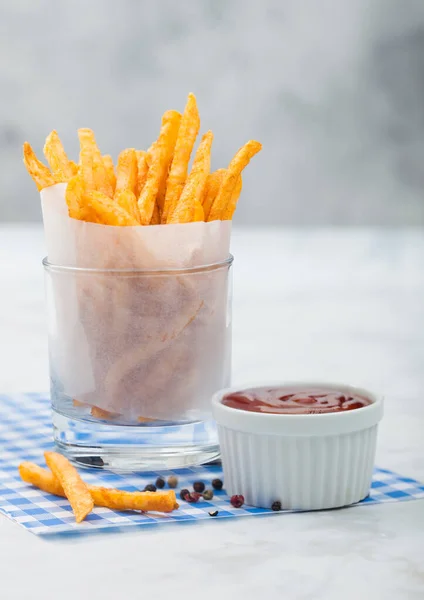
(135, 357)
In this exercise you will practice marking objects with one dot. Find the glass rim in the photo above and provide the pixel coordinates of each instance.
(48, 266)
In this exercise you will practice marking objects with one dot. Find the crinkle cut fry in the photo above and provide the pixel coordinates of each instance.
(189, 207)
(161, 155)
(229, 182)
(126, 171)
(93, 169)
(213, 183)
(74, 198)
(41, 174)
(74, 487)
(232, 204)
(62, 168)
(142, 170)
(107, 211)
(107, 497)
(110, 170)
(187, 134)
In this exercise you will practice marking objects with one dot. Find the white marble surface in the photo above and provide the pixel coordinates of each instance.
(344, 305)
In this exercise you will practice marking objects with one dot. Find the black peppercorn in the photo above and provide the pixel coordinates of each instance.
(184, 492)
(160, 482)
(276, 505)
(172, 481)
(150, 487)
(207, 495)
(213, 513)
(199, 486)
(217, 484)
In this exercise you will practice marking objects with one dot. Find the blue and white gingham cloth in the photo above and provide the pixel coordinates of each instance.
(25, 432)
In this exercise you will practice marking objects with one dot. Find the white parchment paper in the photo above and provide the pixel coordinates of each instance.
(137, 344)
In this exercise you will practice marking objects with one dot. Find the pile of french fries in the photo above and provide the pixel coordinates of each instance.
(146, 187)
(64, 480)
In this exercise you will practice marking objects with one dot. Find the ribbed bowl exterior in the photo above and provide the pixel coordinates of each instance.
(302, 472)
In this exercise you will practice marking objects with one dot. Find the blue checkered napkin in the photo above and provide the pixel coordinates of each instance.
(25, 432)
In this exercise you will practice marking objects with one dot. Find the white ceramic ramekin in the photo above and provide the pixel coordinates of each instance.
(307, 462)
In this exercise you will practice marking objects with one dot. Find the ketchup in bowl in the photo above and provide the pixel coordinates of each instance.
(294, 400)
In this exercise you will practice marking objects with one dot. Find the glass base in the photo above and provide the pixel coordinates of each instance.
(145, 447)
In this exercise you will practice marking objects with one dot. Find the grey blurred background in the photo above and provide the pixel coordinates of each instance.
(334, 90)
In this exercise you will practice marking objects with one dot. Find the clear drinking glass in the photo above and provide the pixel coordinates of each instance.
(135, 357)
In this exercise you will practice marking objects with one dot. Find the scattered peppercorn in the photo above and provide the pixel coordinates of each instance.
(237, 500)
(183, 493)
(199, 486)
(160, 482)
(276, 505)
(213, 513)
(172, 481)
(217, 484)
(207, 495)
(150, 487)
(192, 497)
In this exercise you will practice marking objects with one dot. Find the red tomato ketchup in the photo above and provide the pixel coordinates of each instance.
(294, 401)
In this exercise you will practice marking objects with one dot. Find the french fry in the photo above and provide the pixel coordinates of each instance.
(142, 169)
(102, 209)
(190, 199)
(86, 158)
(127, 200)
(110, 170)
(108, 497)
(41, 174)
(174, 118)
(231, 206)
(156, 216)
(145, 501)
(75, 489)
(41, 478)
(187, 134)
(160, 158)
(213, 183)
(96, 411)
(62, 168)
(100, 413)
(198, 212)
(77, 403)
(238, 163)
(149, 154)
(102, 181)
(93, 168)
(126, 171)
(73, 165)
(73, 196)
